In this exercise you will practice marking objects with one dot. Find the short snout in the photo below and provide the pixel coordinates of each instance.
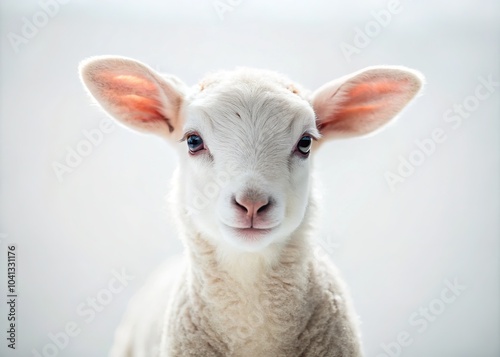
(252, 208)
(252, 213)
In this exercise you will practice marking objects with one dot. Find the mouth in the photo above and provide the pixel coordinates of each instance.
(251, 233)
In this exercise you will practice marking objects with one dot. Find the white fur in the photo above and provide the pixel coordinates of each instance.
(250, 122)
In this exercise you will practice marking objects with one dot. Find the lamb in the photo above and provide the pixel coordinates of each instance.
(249, 284)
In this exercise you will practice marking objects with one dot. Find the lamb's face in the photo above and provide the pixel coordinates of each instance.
(245, 159)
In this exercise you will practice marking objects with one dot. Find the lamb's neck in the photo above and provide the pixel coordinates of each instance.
(246, 268)
(252, 297)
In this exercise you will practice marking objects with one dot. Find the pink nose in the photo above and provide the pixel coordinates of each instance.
(252, 207)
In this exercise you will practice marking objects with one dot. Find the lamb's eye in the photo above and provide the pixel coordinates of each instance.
(304, 145)
(195, 143)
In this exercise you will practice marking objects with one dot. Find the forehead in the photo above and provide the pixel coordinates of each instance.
(249, 104)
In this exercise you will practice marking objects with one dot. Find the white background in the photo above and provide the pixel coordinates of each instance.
(395, 248)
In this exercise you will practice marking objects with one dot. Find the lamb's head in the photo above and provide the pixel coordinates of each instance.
(248, 138)
(244, 137)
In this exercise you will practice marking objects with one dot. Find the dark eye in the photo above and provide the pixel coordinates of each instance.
(195, 143)
(304, 145)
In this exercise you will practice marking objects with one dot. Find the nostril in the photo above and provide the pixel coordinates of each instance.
(264, 207)
(239, 205)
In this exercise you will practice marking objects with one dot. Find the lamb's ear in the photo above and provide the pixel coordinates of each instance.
(364, 101)
(135, 94)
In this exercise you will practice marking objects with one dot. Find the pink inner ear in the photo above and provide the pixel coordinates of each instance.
(146, 108)
(133, 80)
(364, 91)
(360, 110)
(132, 94)
(120, 84)
(363, 106)
(362, 101)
